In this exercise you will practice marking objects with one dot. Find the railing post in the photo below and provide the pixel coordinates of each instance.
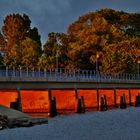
(126, 76)
(45, 74)
(6, 71)
(135, 77)
(90, 76)
(33, 72)
(50, 74)
(97, 94)
(14, 74)
(74, 73)
(66, 73)
(39, 71)
(117, 76)
(83, 75)
(60, 73)
(56, 71)
(129, 76)
(120, 76)
(27, 71)
(87, 76)
(129, 93)
(20, 72)
(19, 100)
(76, 93)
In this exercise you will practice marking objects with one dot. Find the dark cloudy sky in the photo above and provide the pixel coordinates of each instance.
(56, 15)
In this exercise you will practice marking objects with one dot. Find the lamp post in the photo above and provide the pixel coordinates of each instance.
(97, 57)
(138, 69)
(57, 63)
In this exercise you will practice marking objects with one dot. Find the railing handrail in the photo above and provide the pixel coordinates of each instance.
(22, 71)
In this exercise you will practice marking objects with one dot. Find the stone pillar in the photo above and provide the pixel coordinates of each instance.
(137, 100)
(105, 100)
(83, 104)
(52, 111)
(103, 103)
(79, 103)
(49, 94)
(19, 104)
(122, 102)
(54, 107)
(98, 105)
(129, 93)
(115, 102)
(79, 106)
(76, 93)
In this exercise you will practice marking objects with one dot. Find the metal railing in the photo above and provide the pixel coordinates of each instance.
(20, 71)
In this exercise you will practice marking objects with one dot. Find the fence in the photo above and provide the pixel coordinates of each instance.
(20, 71)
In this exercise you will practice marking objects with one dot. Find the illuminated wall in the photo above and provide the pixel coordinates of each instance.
(34, 100)
(37, 100)
(90, 98)
(7, 96)
(109, 96)
(133, 95)
(121, 92)
(65, 99)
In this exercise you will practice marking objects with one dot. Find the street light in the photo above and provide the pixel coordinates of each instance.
(138, 67)
(97, 57)
(57, 63)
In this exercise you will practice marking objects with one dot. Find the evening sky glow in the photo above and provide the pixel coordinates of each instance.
(57, 15)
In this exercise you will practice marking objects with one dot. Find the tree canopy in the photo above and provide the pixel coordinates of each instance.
(108, 36)
(16, 30)
(113, 35)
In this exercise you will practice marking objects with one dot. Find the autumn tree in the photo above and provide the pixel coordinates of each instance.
(34, 35)
(54, 47)
(113, 35)
(122, 57)
(30, 52)
(89, 34)
(103, 32)
(16, 29)
(2, 43)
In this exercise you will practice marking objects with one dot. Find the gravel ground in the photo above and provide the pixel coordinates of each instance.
(110, 125)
